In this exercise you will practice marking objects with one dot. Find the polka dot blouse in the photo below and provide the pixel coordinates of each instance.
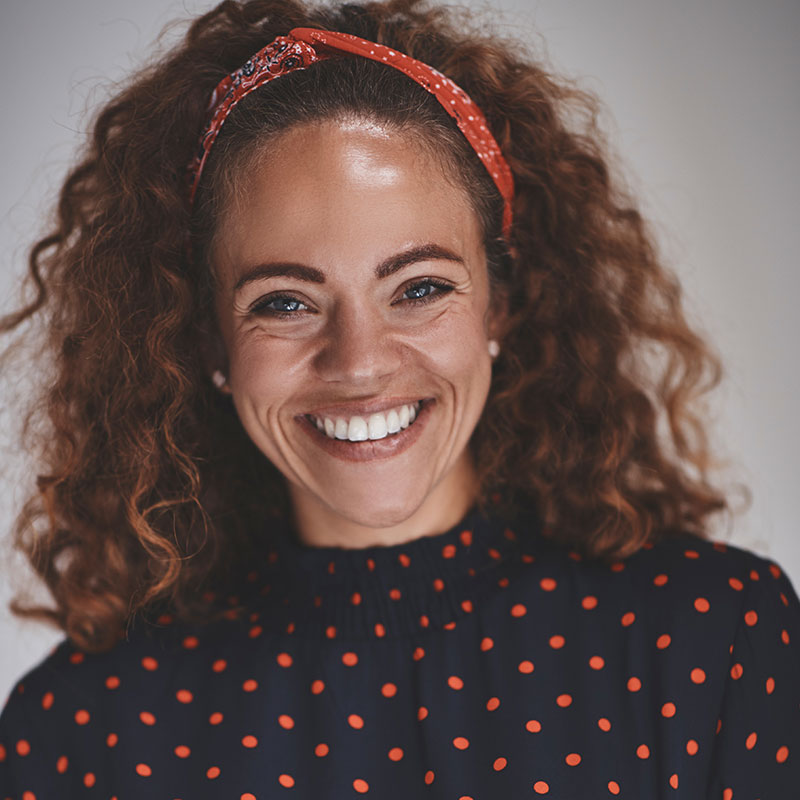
(484, 662)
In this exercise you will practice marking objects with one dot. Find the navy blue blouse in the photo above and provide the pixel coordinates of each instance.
(484, 662)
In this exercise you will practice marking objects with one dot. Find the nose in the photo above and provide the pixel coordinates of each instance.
(359, 347)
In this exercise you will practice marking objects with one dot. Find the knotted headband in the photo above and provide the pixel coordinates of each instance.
(306, 46)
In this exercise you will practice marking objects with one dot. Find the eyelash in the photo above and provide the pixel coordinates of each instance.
(260, 306)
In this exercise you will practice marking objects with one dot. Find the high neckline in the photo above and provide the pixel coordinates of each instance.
(428, 582)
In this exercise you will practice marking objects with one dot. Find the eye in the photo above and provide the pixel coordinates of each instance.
(278, 305)
(426, 291)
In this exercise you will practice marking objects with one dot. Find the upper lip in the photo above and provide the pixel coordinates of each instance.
(376, 406)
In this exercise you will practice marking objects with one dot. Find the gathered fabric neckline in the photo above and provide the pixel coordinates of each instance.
(395, 590)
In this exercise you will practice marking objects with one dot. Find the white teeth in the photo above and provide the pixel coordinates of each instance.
(392, 422)
(378, 426)
(357, 430)
(340, 431)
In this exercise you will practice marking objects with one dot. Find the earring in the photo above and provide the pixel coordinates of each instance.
(218, 378)
(494, 348)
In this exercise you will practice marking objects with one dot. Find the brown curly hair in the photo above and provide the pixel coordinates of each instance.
(151, 491)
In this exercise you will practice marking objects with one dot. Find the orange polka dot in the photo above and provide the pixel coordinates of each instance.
(395, 594)
(460, 743)
(89, 779)
(438, 584)
(573, 759)
(493, 703)
(317, 686)
(147, 718)
(287, 781)
(526, 667)
(249, 741)
(355, 599)
(418, 654)
(785, 636)
(248, 796)
(751, 740)
(540, 787)
(144, 770)
(82, 716)
(284, 659)
(182, 751)
(215, 718)
(518, 610)
(355, 721)
(737, 671)
(628, 618)
(604, 724)
(454, 682)
(285, 721)
(149, 663)
(28, 795)
(533, 725)
(727, 794)
(556, 642)
(634, 684)
(388, 690)
(564, 700)
(448, 551)
(500, 764)
(349, 659)
(668, 709)
(660, 580)
(112, 739)
(663, 641)
(702, 605)
(213, 772)
(422, 712)
(47, 700)
(596, 662)
(62, 764)
(548, 584)
(691, 554)
(782, 754)
(673, 780)
(486, 643)
(250, 685)
(429, 777)
(466, 538)
(396, 753)
(404, 559)
(219, 665)
(770, 685)
(184, 696)
(613, 787)
(112, 682)
(190, 642)
(467, 606)
(76, 658)
(380, 630)
(750, 618)
(736, 584)
(697, 675)
(589, 602)
(321, 750)
(643, 751)
(360, 785)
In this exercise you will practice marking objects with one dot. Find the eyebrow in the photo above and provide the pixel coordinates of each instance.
(387, 267)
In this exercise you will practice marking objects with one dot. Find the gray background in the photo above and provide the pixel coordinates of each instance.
(703, 111)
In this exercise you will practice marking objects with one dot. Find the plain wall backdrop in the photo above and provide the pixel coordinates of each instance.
(703, 111)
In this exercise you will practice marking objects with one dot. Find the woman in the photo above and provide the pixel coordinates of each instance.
(353, 477)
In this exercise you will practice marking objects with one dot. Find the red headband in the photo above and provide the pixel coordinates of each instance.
(305, 46)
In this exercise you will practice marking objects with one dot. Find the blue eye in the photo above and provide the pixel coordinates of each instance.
(279, 305)
(426, 291)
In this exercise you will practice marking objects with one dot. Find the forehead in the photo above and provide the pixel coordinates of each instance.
(342, 193)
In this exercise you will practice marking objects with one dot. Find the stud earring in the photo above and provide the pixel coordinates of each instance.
(494, 348)
(218, 378)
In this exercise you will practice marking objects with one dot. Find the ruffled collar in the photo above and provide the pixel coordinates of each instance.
(380, 591)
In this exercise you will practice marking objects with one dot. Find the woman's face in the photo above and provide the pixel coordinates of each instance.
(353, 282)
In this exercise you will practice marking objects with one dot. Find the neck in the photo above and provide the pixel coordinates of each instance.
(319, 525)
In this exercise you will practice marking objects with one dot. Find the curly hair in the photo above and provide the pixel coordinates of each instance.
(150, 490)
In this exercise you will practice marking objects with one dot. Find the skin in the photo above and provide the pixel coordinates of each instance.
(342, 197)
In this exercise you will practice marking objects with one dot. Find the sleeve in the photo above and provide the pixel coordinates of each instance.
(27, 767)
(757, 747)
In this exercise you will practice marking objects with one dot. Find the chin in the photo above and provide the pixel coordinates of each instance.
(365, 508)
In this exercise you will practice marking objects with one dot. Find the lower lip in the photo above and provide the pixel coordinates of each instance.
(371, 449)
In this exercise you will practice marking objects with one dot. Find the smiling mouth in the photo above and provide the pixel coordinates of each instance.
(371, 427)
